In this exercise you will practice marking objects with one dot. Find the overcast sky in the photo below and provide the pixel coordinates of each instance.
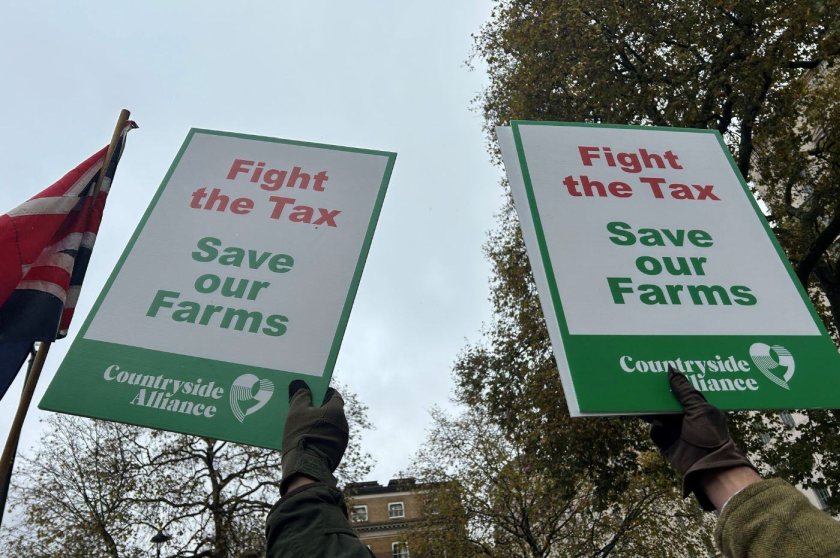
(379, 75)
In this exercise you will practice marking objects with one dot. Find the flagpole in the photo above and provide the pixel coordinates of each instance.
(10, 450)
(7, 460)
(115, 138)
(4, 488)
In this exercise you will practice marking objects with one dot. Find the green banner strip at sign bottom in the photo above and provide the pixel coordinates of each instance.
(629, 373)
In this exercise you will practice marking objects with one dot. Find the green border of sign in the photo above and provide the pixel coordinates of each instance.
(80, 342)
(590, 340)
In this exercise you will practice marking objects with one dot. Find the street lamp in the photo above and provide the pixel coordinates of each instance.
(159, 539)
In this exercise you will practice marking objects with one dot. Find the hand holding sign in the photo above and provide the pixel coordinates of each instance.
(697, 441)
(314, 438)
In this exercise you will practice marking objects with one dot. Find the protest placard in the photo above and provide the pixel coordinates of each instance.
(239, 279)
(649, 250)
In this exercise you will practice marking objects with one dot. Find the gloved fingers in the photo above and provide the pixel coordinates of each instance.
(333, 408)
(685, 393)
(329, 395)
(333, 402)
(296, 386)
(299, 395)
(665, 430)
(662, 418)
(717, 421)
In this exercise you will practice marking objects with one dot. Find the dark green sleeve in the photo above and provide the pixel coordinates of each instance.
(772, 519)
(312, 523)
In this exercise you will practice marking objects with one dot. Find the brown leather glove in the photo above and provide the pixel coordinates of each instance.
(314, 438)
(696, 441)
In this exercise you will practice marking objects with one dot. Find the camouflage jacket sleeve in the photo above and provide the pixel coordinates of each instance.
(311, 522)
(772, 519)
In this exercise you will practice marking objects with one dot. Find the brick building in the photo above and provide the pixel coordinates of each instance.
(381, 515)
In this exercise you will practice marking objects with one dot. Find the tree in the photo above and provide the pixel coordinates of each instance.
(96, 488)
(764, 74)
(496, 499)
(77, 500)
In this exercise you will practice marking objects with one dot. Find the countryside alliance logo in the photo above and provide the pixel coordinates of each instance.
(245, 399)
(775, 362)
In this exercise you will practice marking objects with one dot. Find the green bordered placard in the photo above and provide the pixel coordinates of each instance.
(649, 251)
(239, 279)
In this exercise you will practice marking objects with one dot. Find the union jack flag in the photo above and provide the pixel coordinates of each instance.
(45, 247)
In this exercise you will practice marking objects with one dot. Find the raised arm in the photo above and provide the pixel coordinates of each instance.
(310, 519)
(766, 518)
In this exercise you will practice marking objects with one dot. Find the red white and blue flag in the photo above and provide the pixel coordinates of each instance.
(45, 247)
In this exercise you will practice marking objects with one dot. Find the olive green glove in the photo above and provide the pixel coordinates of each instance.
(696, 441)
(314, 438)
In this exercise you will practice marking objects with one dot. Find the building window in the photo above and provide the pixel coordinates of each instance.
(395, 511)
(822, 495)
(358, 514)
(399, 550)
(787, 419)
